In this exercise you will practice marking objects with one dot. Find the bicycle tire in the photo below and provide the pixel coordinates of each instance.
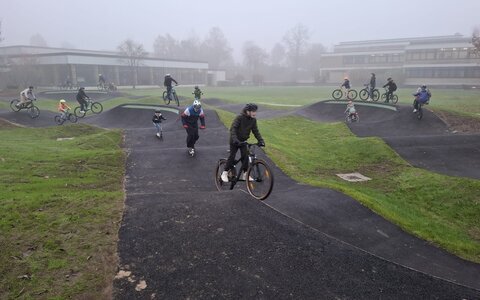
(259, 176)
(376, 95)
(34, 112)
(219, 184)
(72, 118)
(363, 94)
(394, 99)
(337, 94)
(77, 112)
(13, 105)
(96, 107)
(58, 120)
(352, 94)
(420, 112)
(99, 87)
(176, 98)
(384, 96)
(165, 98)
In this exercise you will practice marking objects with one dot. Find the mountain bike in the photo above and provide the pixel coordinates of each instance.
(365, 93)
(33, 111)
(67, 116)
(102, 86)
(393, 98)
(259, 177)
(337, 94)
(95, 107)
(167, 98)
(351, 118)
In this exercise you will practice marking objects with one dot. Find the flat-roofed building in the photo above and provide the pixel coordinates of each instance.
(46, 66)
(439, 60)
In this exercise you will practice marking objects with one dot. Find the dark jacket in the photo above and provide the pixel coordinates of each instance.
(392, 86)
(373, 82)
(81, 96)
(168, 81)
(346, 84)
(158, 119)
(241, 128)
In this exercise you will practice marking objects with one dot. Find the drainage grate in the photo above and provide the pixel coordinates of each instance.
(354, 177)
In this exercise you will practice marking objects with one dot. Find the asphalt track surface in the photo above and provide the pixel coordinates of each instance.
(186, 240)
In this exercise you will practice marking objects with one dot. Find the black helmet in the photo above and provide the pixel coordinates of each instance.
(424, 86)
(81, 88)
(250, 107)
(196, 86)
(31, 87)
(389, 79)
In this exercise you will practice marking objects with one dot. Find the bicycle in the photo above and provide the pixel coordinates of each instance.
(393, 98)
(95, 107)
(365, 93)
(337, 94)
(167, 98)
(259, 177)
(33, 111)
(351, 118)
(102, 86)
(59, 119)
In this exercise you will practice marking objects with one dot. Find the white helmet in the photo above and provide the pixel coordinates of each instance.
(62, 101)
(197, 104)
(168, 75)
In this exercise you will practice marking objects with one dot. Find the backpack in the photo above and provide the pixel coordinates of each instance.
(394, 86)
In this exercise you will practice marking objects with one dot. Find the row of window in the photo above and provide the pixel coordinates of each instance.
(457, 72)
(440, 54)
(373, 59)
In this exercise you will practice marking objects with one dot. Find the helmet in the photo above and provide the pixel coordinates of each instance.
(157, 111)
(168, 75)
(99, 74)
(81, 88)
(62, 101)
(424, 86)
(196, 86)
(389, 79)
(197, 104)
(30, 87)
(250, 107)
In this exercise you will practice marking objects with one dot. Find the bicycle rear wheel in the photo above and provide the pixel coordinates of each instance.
(34, 112)
(363, 94)
(394, 99)
(165, 98)
(77, 112)
(219, 184)
(337, 94)
(59, 120)
(259, 180)
(72, 118)
(13, 105)
(352, 94)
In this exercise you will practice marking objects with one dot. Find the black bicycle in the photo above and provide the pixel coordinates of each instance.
(259, 177)
(59, 119)
(365, 93)
(337, 94)
(393, 97)
(33, 111)
(167, 98)
(95, 107)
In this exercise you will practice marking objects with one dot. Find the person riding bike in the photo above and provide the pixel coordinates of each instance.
(81, 96)
(350, 109)
(101, 79)
(190, 122)
(346, 85)
(422, 96)
(391, 87)
(63, 108)
(373, 82)
(167, 82)
(197, 92)
(242, 126)
(26, 96)
(157, 122)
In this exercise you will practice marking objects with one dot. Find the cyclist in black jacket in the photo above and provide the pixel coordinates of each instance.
(81, 96)
(242, 126)
(391, 87)
(167, 82)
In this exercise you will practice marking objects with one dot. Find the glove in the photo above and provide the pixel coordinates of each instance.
(202, 127)
(261, 143)
(185, 126)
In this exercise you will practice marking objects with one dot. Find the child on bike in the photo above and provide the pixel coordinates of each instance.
(422, 96)
(350, 111)
(197, 92)
(157, 122)
(63, 108)
(346, 85)
(190, 118)
(242, 126)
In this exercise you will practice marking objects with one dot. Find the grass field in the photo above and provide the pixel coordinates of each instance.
(434, 207)
(60, 208)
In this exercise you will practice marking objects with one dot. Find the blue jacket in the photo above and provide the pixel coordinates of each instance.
(190, 117)
(422, 96)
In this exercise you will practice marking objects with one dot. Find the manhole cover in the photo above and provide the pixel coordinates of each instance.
(354, 177)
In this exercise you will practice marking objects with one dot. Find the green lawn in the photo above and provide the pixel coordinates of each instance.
(60, 209)
(441, 209)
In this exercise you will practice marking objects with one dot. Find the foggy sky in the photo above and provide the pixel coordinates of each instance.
(102, 25)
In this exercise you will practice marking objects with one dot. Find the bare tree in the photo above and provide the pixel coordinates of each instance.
(38, 40)
(312, 59)
(296, 40)
(476, 41)
(165, 46)
(134, 53)
(254, 58)
(277, 55)
(216, 49)
(1, 35)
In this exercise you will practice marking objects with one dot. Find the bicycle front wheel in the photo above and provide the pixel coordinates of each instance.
(176, 99)
(97, 107)
(394, 99)
(363, 94)
(72, 118)
(376, 95)
(59, 120)
(219, 184)
(259, 180)
(337, 94)
(34, 112)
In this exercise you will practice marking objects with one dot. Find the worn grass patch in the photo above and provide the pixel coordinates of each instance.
(60, 208)
(441, 209)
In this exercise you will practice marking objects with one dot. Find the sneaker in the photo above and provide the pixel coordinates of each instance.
(158, 134)
(244, 177)
(224, 176)
(82, 111)
(414, 110)
(191, 151)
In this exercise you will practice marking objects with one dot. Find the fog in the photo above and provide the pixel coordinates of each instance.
(102, 25)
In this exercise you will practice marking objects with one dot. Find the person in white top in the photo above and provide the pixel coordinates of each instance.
(26, 95)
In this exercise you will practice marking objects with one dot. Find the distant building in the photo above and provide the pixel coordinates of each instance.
(43, 66)
(440, 61)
